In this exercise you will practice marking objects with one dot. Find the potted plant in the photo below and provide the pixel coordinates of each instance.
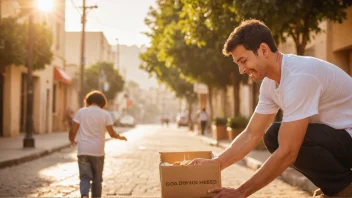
(220, 129)
(236, 125)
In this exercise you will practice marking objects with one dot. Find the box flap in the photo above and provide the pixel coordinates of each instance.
(171, 157)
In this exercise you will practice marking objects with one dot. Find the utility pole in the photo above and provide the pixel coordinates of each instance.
(117, 54)
(83, 21)
(28, 141)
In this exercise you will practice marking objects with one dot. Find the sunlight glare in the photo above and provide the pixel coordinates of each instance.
(45, 5)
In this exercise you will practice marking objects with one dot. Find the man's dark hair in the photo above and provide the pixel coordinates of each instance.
(250, 33)
(95, 97)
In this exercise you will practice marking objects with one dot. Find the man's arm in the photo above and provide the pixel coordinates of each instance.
(113, 134)
(73, 133)
(247, 140)
(290, 138)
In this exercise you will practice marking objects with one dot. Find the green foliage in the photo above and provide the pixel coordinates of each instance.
(43, 40)
(220, 121)
(156, 60)
(113, 77)
(207, 24)
(297, 19)
(15, 49)
(237, 122)
(171, 77)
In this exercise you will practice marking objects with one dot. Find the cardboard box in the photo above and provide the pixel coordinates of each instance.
(188, 181)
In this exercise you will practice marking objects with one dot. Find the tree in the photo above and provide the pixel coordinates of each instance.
(197, 62)
(112, 76)
(208, 23)
(171, 77)
(15, 39)
(296, 19)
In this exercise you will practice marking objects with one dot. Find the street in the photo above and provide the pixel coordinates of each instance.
(131, 168)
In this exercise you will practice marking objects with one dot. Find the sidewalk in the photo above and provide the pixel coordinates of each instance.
(255, 160)
(13, 153)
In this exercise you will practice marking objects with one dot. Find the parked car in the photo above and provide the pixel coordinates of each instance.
(182, 120)
(116, 116)
(127, 120)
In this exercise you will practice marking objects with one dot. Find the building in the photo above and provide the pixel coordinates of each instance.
(49, 85)
(97, 49)
(333, 44)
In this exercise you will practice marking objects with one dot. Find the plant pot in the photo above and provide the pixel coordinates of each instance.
(220, 132)
(233, 133)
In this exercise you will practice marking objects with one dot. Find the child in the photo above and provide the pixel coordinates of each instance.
(90, 122)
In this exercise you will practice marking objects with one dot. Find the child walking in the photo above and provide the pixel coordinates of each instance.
(91, 123)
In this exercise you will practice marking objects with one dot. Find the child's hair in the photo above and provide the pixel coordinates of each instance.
(96, 97)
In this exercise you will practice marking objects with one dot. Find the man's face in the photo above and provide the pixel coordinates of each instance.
(249, 63)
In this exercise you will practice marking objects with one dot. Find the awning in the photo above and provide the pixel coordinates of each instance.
(61, 75)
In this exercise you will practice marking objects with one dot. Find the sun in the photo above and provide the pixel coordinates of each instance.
(45, 5)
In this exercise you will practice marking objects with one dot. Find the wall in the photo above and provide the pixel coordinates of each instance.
(97, 48)
(245, 100)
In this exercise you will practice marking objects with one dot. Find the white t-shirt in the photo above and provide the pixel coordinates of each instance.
(309, 87)
(92, 122)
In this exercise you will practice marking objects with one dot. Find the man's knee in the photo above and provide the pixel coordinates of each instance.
(270, 137)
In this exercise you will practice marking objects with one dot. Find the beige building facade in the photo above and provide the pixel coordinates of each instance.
(97, 49)
(49, 84)
(333, 44)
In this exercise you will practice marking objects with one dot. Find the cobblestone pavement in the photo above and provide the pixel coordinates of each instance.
(131, 168)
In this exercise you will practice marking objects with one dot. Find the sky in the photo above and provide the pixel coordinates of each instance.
(122, 19)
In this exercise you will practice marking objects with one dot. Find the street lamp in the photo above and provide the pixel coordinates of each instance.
(43, 5)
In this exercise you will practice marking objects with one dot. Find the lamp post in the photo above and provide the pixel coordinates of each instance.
(28, 141)
(47, 5)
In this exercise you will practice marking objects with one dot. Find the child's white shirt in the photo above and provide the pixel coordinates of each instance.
(92, 122)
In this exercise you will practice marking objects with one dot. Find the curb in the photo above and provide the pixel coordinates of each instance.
(34, 156)
(31, 157)
(289, 176)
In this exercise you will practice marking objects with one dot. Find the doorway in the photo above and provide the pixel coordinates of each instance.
(2, 81)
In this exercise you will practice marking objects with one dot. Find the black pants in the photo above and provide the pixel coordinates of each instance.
(325, 156)
(203, 124)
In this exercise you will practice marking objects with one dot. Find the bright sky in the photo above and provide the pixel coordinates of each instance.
(122, 19)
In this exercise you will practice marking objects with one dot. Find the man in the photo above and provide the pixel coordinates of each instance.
(203, 117)
(315, 134)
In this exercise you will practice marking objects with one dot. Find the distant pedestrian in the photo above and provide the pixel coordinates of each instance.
(166, 120)
(203, 117)
(91, 123)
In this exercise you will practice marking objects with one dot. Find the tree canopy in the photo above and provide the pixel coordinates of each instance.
(112, 77)
(15, 44)
(296, 19)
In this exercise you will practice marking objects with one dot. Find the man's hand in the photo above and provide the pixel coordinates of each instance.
(227, 193)
(200, 161)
